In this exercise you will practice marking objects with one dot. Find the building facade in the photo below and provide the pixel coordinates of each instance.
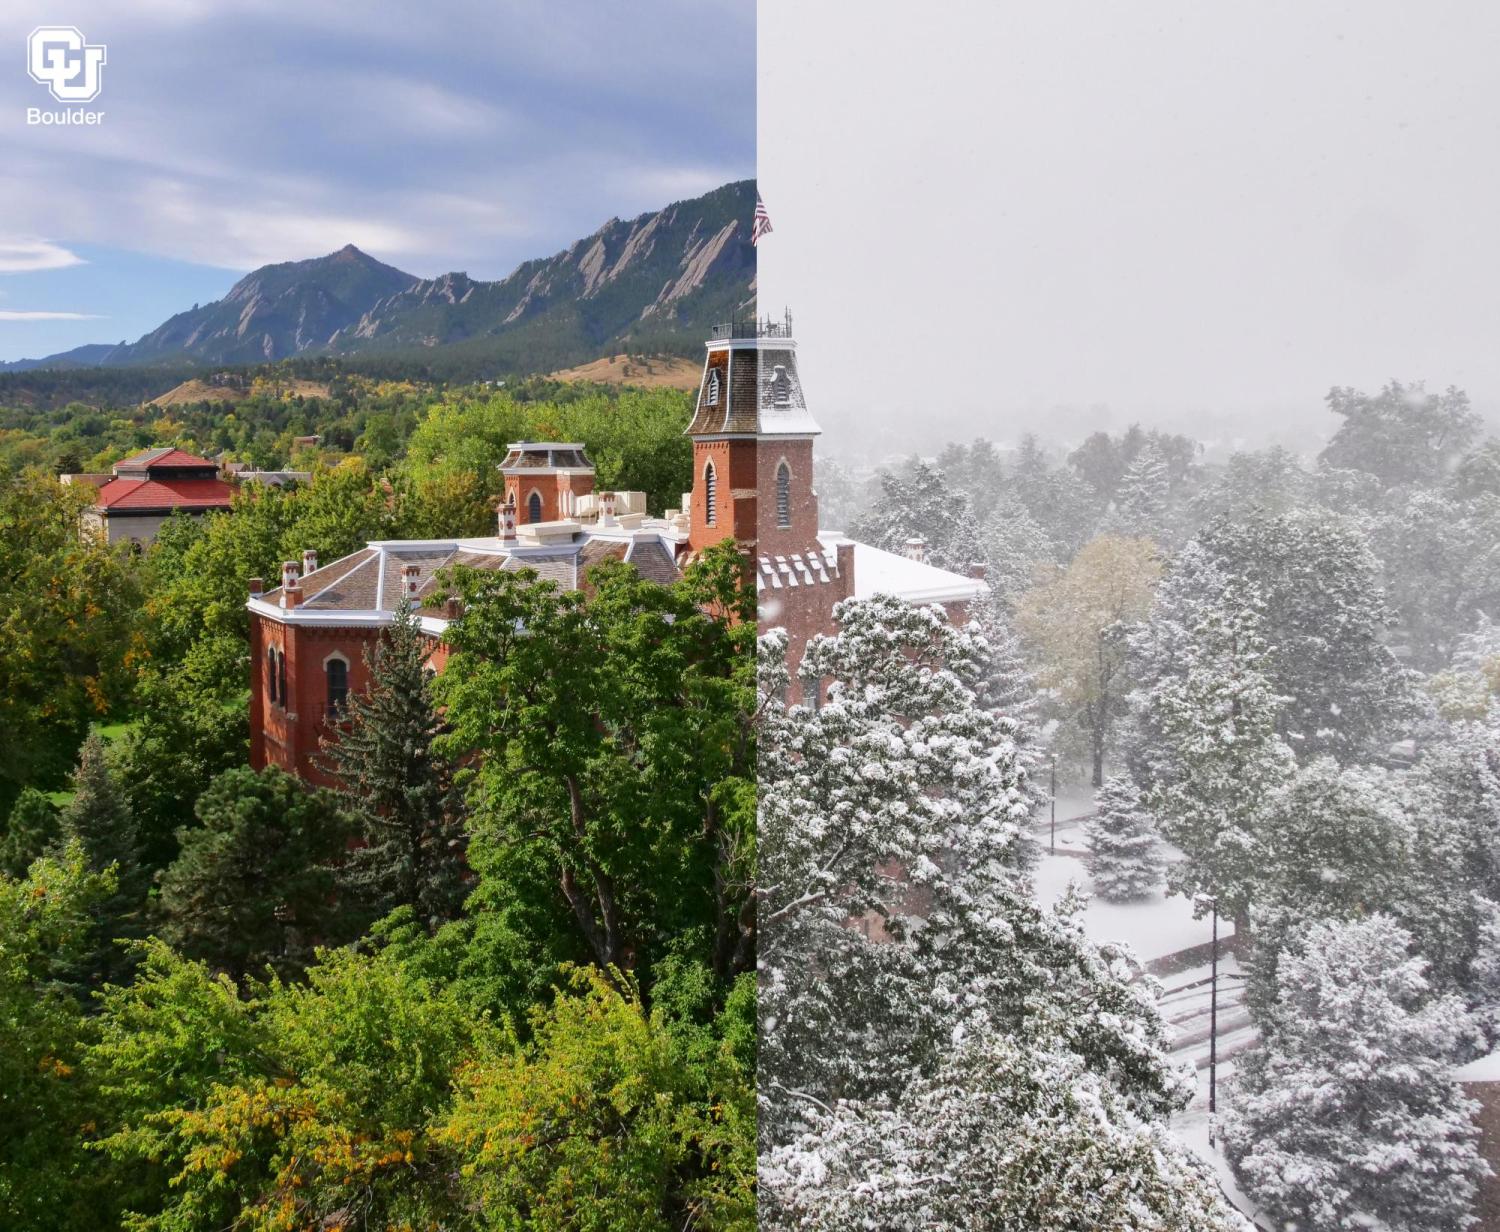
(144, 490)
(752, 482)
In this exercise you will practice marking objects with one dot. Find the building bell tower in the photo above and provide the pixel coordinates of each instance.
(753, 443)
(753, 479)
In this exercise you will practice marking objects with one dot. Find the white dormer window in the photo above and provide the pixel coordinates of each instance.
(781, 387)
(713, 387)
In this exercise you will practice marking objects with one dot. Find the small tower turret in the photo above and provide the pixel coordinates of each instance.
(543, 480)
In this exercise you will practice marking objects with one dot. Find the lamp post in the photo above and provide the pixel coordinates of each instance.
(1052, 841)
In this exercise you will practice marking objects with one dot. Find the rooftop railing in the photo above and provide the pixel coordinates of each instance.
(760, 327)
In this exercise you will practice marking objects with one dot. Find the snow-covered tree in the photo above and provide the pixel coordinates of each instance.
(917, 502)
(1143, 499)
(1064, 503)
(1076, 622)
(1323, 620)
(1127, 858)
(1346, 1115)
(1014, 547)
(1267, 481)
(1403, 434)
(999, 1139)
(896, 923)
(1215, 754)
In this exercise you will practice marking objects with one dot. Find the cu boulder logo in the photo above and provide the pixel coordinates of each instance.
(71, 68)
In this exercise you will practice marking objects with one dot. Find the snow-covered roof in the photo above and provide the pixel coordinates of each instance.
(878, 572)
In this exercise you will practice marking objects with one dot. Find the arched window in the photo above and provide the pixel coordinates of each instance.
(534, 507)
(713, 387)
(271, 675)
(783, 495)
(338, 684)
(281, 678)
(711, 492)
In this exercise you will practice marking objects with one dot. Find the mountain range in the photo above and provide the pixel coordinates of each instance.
(652, 283)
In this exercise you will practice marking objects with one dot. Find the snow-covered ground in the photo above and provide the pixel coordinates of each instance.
(1156, 928)
(1152, 927)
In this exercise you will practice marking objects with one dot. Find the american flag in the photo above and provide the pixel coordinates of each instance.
(762, 224)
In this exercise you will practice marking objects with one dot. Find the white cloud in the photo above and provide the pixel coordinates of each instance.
(27, 256)
(6, 315)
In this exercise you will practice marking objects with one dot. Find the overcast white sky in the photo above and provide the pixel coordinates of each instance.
(997, 216)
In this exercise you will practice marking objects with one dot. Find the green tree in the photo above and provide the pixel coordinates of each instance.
(97, 819)
(254, 883)
(46, 924)
(67, 606)
(397, 787)
(602, 1121)
(612, 794)
(31, 829)
(318, 1105)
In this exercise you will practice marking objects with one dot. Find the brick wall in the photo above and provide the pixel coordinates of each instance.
(734, 461)
(797, 455)
(550, 487)
(289, 735)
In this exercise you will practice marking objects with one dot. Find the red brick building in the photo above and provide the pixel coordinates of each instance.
(146, 489)
(752, 482)
(753, 479)
(309, 634)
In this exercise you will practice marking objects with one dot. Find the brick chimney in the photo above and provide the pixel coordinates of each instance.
(978, 569)
(507, 523)
(411, 580)
(291, 592)
(916, 548)
(309, 561)
(606, 509)
(257, 587)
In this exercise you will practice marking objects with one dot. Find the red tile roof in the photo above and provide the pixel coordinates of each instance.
(155, 458)
(129, 493)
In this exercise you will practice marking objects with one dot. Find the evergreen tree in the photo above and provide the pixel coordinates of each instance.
(1346, 1115)
(99, 821)
(1127, 858)
(1217, 756)
(1015, 548)
(31, 828)
(254, 884)
(398, 787)
(897, 925)
(1323, 621)
(920, 503)
(1142, 500)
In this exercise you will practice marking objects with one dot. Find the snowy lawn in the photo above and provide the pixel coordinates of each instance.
(1151, 927)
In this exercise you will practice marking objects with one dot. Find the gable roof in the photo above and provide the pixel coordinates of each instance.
(165, 458)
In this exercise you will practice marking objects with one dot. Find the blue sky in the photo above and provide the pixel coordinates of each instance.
(466, 135)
